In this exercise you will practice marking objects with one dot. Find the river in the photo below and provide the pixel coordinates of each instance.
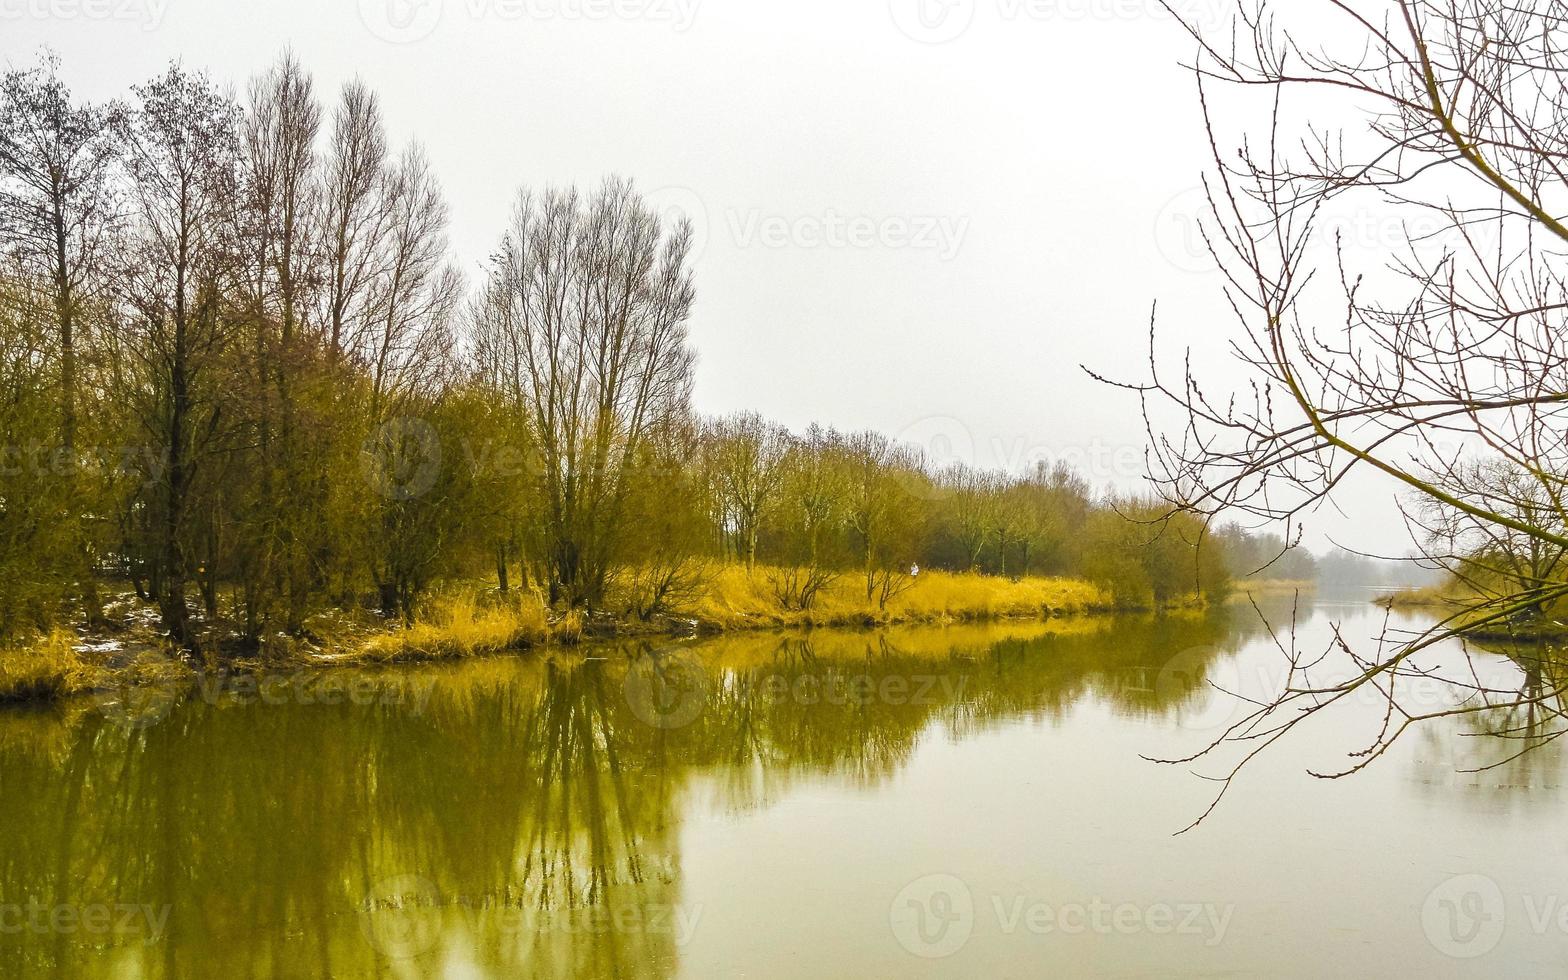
(962, 802)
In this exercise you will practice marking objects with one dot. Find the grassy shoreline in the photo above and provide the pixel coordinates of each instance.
(1430, 597)
(1269, 588)
(461, 624)
(1451, 599)
(472, 621)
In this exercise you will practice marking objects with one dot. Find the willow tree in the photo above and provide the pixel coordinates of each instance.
(881, 512)
(34, 558)
(404, 354)
(964, 494)
(1385, 202)
(747, 460)
(280, 174)
(58, 209)
(582, 327)
(181, 145)
(353, 218)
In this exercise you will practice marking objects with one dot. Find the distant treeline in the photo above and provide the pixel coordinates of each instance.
(1265, 556)
(239, 370)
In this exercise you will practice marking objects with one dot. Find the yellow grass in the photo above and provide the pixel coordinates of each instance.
(928, 641)
(1447, 594)
(43, 670)
(735, 598)
(1258, 588)
(460, 625)
(1464, 608)
(467, 621)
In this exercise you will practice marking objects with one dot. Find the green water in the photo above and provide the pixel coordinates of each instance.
(957, 803)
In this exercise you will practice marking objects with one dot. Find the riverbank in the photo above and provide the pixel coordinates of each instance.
(1272, 588)
(465, 621)
(1466, 607)
(1431, 597)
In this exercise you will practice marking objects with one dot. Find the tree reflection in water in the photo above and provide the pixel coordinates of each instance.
(523, 819)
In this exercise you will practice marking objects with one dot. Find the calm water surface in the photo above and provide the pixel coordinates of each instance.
(968, 802)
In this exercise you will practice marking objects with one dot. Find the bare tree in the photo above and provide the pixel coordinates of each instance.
(748, 459)
(57, 208)
(966, 494)
(282, 126)
(584, 322)
(878, 510)
(1497, 561)
(812, 514)
(408, 336)
(1008, 517)
(181, 146)
(280, 173)
(406, 348)
(353, 218)
(1411, 351)
(57, 202)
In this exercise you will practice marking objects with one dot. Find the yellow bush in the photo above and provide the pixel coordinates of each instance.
(46, 669)
(459, 625)
(737, 598)
(466, 623)
(942, 595)
(569, 630)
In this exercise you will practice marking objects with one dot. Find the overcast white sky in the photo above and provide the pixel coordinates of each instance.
(920, 216)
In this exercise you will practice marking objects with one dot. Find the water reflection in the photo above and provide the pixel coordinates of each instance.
(519, 817)
(1510, 756)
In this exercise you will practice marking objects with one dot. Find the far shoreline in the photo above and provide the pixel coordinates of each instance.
(473, 622)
